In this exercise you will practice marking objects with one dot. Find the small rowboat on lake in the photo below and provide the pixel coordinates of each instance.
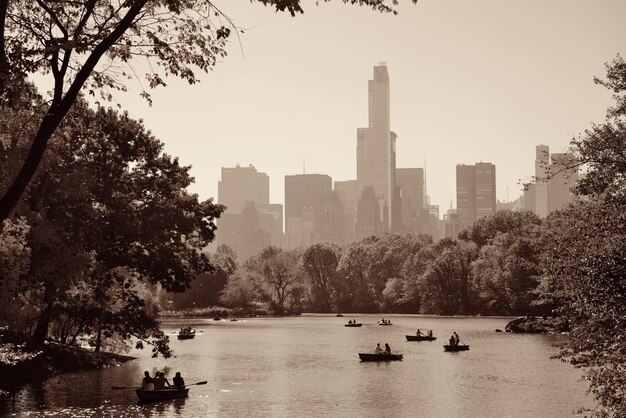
(161, 394)
(386, 323)
(456, 347)
(380, 357)
(186, 334)
(419, 338)
(353, 325)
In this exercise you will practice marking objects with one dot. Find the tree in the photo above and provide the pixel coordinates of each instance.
(485, 229)
(281, 273)
(70, 39)
(118, 205)
(448, 285)
(319, 262)
(585, 263)
(507, 272)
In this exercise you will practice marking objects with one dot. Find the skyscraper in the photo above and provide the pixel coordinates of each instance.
(475, 192)
(241, 184)
(303, 200)
(376, 147)
(250, 222)
(410, 181)
(542, 163)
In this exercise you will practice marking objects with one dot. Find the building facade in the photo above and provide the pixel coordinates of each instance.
(475, 192)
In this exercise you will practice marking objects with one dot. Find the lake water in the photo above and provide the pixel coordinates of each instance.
(308, 366)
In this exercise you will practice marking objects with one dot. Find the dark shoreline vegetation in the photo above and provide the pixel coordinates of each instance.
(106, 236)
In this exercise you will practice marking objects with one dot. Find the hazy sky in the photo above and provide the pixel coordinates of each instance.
(480, 80)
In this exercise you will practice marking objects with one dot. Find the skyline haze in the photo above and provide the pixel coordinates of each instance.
(468, 83)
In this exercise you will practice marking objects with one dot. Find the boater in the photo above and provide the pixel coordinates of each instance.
(419, 333)
(387, 349)
(148, 382)
(160, 381)
(378, 350)
(178, 380)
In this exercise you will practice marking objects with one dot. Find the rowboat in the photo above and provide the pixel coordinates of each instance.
(419, 338)
(161, 394)
(353, 325)
(379, 357)
(456, 347)
(384, 324)
(339, 315)
(186, 334)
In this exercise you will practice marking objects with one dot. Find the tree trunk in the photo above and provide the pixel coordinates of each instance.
(98, 340)
(43, 322)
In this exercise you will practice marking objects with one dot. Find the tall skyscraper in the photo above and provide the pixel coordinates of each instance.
(475, 192)
(542, 166)
(376, 147)
(303, 199)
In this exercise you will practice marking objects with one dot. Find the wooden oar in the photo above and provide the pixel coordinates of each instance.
(204, 382)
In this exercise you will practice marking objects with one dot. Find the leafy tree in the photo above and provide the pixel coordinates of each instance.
(94, 44)
(485, 229)
(241, 290)
(120, 203)
(585, 263)
(319, 262)
(448, 286)
(507, 272)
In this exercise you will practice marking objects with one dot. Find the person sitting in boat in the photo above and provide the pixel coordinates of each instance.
(419, 333)
(452, 340)
(148, 382)
(456, 338)
(178, 380)
(350, 322)
(430, 332)
(160, 381)
(378, 350)
(387, 349)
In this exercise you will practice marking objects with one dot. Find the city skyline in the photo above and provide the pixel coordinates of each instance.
(470, 83)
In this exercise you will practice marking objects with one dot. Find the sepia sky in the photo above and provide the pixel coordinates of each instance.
(471, 81)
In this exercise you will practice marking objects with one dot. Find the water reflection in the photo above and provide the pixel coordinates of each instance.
(309, 366)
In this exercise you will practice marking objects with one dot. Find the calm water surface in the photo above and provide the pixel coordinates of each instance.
(308, 366)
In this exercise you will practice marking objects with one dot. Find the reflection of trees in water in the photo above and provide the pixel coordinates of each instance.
(160, 408)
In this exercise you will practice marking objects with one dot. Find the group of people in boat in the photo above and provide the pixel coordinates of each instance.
(454, 339)
(429, 333)
(187, 330)
(379, 350)
(159, 381)
(385, 321)
(352, 321)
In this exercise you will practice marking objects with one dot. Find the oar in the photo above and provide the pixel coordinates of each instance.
(204, 382)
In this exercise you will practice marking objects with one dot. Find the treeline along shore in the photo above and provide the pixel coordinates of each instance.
(106, 236)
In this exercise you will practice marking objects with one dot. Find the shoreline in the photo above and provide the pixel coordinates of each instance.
(54, 359)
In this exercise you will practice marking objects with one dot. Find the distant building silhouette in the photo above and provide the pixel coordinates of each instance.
(475, 192)
(349, 198)
(241, 184)
(368, 218)
(250, 222)
(329, 220)
(376, 148)
(410, 182)
(542, 167)
(303, 200)
(452, 227)
(544, 196)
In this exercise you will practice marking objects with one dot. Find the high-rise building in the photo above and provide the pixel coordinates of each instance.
(368, 217)
(249, 222)
(349, 198)
(555, 175)
(241, 184)
(475, 192)
(376, 147)
(542, 167)
(303, 198)
(329, 220)
(410, 182)
(563, 177)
